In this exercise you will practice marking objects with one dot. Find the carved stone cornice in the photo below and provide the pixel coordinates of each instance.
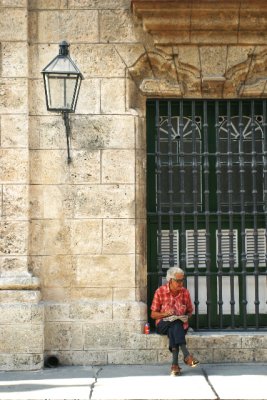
(172, 22)
(237, 72)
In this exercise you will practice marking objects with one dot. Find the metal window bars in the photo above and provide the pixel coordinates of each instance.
(211, 176)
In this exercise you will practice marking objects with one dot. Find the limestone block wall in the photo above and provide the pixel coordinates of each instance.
(87, 239)
(73, 236)
(21, 314)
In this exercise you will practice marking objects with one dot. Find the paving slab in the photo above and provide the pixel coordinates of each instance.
(238, 381)
(54, 384)
(150, 382)
(135, 382)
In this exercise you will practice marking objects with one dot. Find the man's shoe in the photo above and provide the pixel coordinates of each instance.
(191, 361)
(175, 370)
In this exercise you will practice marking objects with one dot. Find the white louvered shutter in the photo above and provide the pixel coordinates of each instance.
(165, 247)
(201, 248)
(250, 247)
(225, 247)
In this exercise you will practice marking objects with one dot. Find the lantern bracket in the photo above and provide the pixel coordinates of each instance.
(66, 119)
(62, 81)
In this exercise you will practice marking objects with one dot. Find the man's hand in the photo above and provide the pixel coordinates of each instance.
(183, 318)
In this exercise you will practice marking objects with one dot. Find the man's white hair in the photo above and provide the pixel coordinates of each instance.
(172, 272)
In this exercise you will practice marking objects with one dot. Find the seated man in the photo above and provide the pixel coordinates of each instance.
(171, 307)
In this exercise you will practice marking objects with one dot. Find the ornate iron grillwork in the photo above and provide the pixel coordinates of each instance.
(207, 206)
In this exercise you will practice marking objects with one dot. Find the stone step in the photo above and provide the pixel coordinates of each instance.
(216, 347)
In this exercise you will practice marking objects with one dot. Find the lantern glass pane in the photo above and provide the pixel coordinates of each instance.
(61, 64)
(61, 91)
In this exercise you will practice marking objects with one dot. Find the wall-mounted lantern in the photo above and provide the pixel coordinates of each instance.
(62, 81)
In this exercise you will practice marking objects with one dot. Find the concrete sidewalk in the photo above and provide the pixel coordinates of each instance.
(114, 382)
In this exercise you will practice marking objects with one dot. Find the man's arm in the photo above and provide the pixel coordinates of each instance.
(159, 315)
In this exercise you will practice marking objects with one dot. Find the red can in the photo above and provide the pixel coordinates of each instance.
(147, 329)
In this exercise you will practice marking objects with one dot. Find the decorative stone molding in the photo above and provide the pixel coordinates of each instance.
(202, 72)
(203, 21)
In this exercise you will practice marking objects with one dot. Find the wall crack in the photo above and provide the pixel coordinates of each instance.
(210, 384)
(92, 386)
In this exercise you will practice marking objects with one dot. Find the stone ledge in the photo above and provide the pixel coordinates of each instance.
(24, 282)
(172, 21)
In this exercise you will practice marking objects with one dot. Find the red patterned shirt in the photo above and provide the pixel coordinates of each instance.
(164, 300)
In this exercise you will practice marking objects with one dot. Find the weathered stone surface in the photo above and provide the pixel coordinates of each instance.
(19, 282)
(55, 237)
(14, 59)
(99, 60)
(103, 132)
(237, 355)
(72, 25)
(110, 335)
(124, 294)
(173, 22)
(118, 166)
(135, 100)
(21, 313)
(13, 24)
(86, 236)
(211, 19)
(237, 55)
(50, 167)
(47, 132)
(14, 131)
(13, 3)
(114, 201)
(130, 53)
(189, 56)
(58, 294)
(13, 237)
(141, 275)
(53, 271)
(260, 355)
(56, 312)
(218, 55)
(93, 294)
(1, 201)
(105, 269)
(140, 200)
(51, 201)
(10, 171)
(21, 338)
(15, 202)
(12, 95)
(118, 26)
(93, 311)
(10, 265)
(89, 97)
(254, 341)
(114, 89)
(99, 4)
(48, 4)
(63, 336)
(141, 243)
(49, 237)
(129, 311)
(132, 357)
(21, 362)
(214, 341)
(206, 24)
(41, 54)
(118, 236)
(78, 357)
(20, 296)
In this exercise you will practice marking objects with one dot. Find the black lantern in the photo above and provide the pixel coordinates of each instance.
(62, 81)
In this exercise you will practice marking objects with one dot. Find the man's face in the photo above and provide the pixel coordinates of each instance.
(178, 281)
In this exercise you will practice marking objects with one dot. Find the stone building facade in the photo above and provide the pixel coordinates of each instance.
(73, 252)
